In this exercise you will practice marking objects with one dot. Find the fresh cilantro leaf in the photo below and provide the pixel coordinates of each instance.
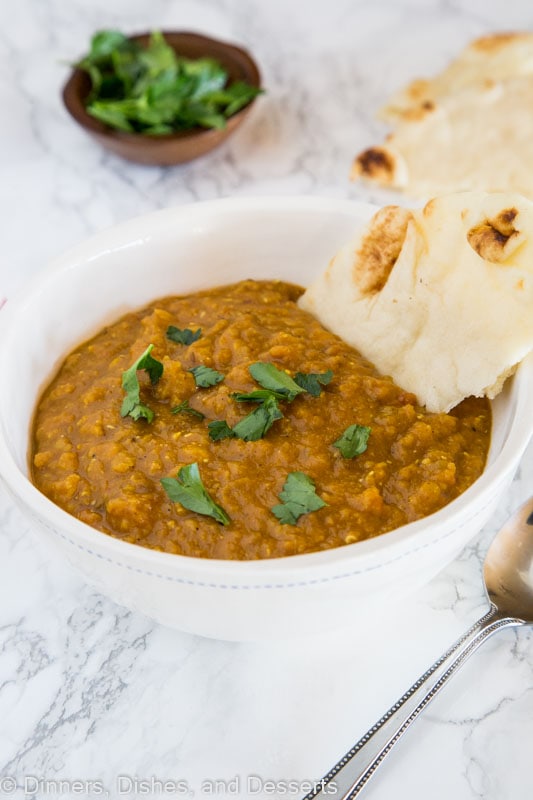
(353, 441)
(103, 43)
(185, 408)
(138, 411)
(312, 382)
(258, 396)
(112, 114)
(124, 72)
(183, 335)
(219, 429)
(106, 47)
(188, 490)
(159, 57)
(205, 376)
(258, 422)
(270, 377)
(238, 95)
(298, 497)
(277, 386)
(209, 76)
(158, 130)
(253, 426)
(131, 405)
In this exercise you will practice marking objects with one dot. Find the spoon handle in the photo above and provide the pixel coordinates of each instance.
(351, 774)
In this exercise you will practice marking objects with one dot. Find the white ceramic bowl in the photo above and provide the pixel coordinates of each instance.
(181, 250)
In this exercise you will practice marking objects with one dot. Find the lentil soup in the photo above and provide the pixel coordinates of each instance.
(105, 464)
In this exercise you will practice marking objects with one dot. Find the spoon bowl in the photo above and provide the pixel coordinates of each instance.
(508, 568)
(508, 576)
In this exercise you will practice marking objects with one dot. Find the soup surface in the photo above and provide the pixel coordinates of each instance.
(106, 469)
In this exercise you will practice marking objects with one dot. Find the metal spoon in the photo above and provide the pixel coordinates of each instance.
(508, 574)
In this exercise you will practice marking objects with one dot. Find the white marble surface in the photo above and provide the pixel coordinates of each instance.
(90, 691)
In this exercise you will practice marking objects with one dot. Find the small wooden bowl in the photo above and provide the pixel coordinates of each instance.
(174, 148)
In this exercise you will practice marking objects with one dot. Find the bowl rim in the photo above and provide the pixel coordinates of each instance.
(356, 557)
(76, 108)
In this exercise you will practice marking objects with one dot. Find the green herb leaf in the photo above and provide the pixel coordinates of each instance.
(110, 114)
(258, 396)
(137, 411)
(312, 382)
(238, 95)
(205, 376)
(105, 46)
(298, 497)
(183, 335)
(255, 425)
(278, 386)
(103, 43)
(159, 57)
(188, 490)
(219, 429)
(353, 441)
(252, 427)
(185, 408)
(270, 377)
(131, 405)
(209, 75)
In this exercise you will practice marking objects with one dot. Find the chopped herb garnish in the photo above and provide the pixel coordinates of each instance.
(277, 386)
(219, 429)
(298, 497)
(183, 335)
(258, 422)
(185, 408)
(153, 90)
(205, 376)
(188, 490)
(270, 377)
(353, 441)
(259, 396)
(253, 426)
(131, 405)
(312, 382)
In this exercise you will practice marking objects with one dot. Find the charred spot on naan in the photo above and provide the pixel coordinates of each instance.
(375, 164)
(497, 238)
(380, 248)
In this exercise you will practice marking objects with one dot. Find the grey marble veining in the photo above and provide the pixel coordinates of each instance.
(93, 692)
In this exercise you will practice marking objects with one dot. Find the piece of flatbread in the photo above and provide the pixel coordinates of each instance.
(468, 128)
(440, 298)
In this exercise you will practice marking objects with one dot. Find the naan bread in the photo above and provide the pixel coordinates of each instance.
(483, 63)
(468, 128)
(440, 298)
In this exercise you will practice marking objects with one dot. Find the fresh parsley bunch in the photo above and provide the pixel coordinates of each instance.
(154, 91)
